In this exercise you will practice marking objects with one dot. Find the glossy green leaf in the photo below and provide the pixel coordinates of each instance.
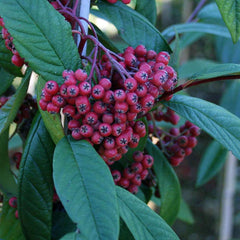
(203, 69)
(52, 121)
(86, 189)
(215, 120)
(168, 183)
(36, 184)
(7, 182)
(185, 213)
(133, 27)
(148, 9)
(143, 222)
(207, 28)
(5, 60)
(231, 16)
(211, 163)
(10, 228)
(6, 80)
(10, 108)
(42, 36)
(61, 224)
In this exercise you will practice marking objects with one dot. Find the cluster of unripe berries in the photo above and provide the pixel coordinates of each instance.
(123, 1)
(16, 59)
(177, 143)
(131, 177)
(26, 111)
(13, 203)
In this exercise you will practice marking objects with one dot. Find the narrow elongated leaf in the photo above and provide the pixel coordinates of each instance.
(141, 220)
(86, 189)
(202, 69)
(52, 121)
(6, 80)
(7, 182)
(211, 163)
(10, 228)
(35, 183)
(133, 27)
(215, 120)
(10, 108)
(231, 16)
(5, 60)
(207, 28)
(185, 213)
(169, 186)
(148, 9)
(42, 36)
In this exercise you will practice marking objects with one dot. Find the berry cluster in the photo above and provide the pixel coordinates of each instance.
(16, 59)
(123, 1)
(13, 203)
(133, 175)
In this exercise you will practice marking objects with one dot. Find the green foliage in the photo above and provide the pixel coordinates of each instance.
(10, 228)
(168, 184)
(230, 13)
(10, 108)
(141, 220)
(6, 80)
(86, 189)
(133, 27)
(42, 37)
(215, 120)
(185, 213)
(36, 184)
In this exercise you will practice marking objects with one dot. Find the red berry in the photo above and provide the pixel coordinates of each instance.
(130, 84)
(128, 173)
(13, 202)
(43, 104)
(96, 138)
(136, 180)
(121, 107)
(45, 95)
(119, 95)
(16, 214)
(105, 129)
(51, 87)
(80, 75)
(91, 118)
(126, 1)
(108, 118)
(140, 51)
(76, 134)
(70, 80)
(124, 182)
(132, 98)
(137, 167)
(83, 104)
(141, 76)
(122, 140)
(98, 92)
(73, 124)
(182, 141)
(72, 91)
(86, 130)
(144, 174)
(63, 90)
(130, 60)
(110, 153)
(51, 108)
(151, 54)
(116, 129)
(67, 72)
(134, 140)
(160, 78)
(108, 97)
(99, 107)
(69, 110)
(192, 142)
(116, 176)
(85, 88)
(105, 83)
(58, 100)
(120, 117)
(147, 101)
(147, 161)
(109, 143)
(17, 60)
(194, 131)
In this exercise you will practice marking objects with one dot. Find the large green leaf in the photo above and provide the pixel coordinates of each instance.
(52, 121)
(148, 9)
(185, 213)
(41, 35)
(207, 28)
(215, 120)
(168, 183)
(6, 80)
(231, 16)
(36, 184)
(211, 163)
(5, 60)
(203, 69)
(133, 27)
(10, 108)
(7, 181)
(73, 236)
(141, 220)
(10, 228)
(86, 189)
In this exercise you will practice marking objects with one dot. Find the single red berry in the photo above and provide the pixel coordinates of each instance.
(123, 150)
(45, 95)
(17, 60)
(124, 182)
(116, 129)
(132, 98)
(126, 1)
(105, 129)
(80, 75)
(159, 66)
(136, 180)
(121, 107)
(182, 141)
(58, 100)
(108, 118)
(144, 174)
(134, 140)
(51, 108)
(76, 134)
(109, 143)
(96, 138)
(69, 110)
(119, 95)
(130, 60)
(159, 78)
(13, 202)
(116, 176)
(112, 1)
(43, 104)
(85, 88)
(122, 140)
(138, 156)
(63, 90)
(140, 51)
(141, 76)
(110, 153)
(171, 72)
(147, 101)
(91, 118)
(120, 117)
(105, 83)
(153, 90)
(16, 214)
(145, 67)
(130, 84)
(83, 105)
(192, 142)
(174, 131)
(98, 92)
(151, 54)
(147, 161)
(137, 167)
(188, 151)
(86, 130)
(194, 131)
(108, 97)
(70, 80)
(67, 72)
(175, 161)
(131, 116)
(73, 124)
(128, 173)
(129, 49)
(1, 22)
(51, 87)
(72, 91)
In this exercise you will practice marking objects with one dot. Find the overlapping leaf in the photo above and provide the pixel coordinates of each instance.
(133, 27)
(6, 80)
(168, 183)
(215, 120)
(86, 189)
(42, 36)
(10, 108)
(141, 220)
(35, 183)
